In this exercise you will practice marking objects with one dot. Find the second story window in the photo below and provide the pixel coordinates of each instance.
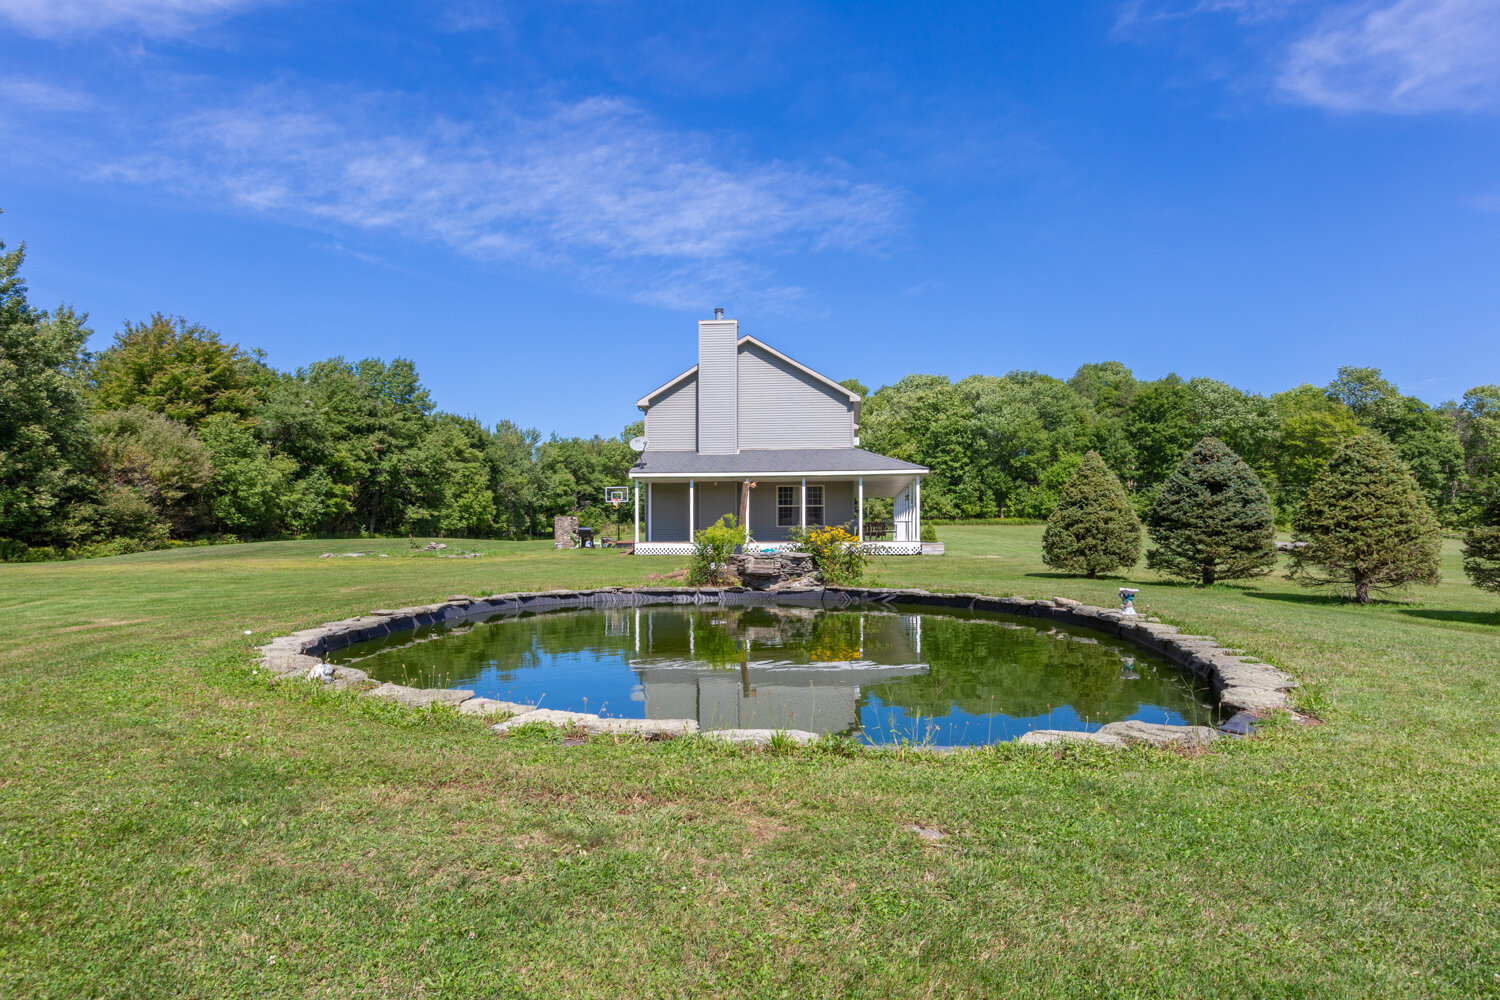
(787, 512)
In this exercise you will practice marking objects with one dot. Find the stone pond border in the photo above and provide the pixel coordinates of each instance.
(1243, 684)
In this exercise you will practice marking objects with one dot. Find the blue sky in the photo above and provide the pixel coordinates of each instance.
(536, 202)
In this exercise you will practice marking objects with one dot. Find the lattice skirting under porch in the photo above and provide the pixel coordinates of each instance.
(685, 548)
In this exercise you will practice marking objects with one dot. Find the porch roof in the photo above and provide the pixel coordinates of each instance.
(772, 462)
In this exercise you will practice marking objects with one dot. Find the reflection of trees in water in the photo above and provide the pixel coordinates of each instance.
(715, 641)
(977, 665)
(980, 668)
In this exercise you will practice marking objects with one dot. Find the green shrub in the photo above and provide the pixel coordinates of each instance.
(836, 554)
(929, 533)
(712, 548)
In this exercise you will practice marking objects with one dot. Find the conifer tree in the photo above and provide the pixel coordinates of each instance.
(1367, 524)
(1212, 520)
(1482, 549)
(1093, 529)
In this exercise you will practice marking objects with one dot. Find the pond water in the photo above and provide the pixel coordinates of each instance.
(880, 676)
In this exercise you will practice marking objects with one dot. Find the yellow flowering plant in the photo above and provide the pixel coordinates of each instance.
(837, 555)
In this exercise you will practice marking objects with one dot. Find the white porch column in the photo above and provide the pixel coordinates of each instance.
(802, 518)
(692, 514)
(650, 513)
(746, 525)
(917, 504)
(638, 513)
(860, 520)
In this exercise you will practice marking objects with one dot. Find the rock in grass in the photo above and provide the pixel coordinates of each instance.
(760, 737)
(549, 716)
(643, 727)
(419, 697)
(1050, 737)
(489, 706)
(1252, 699)
(1157, 734)
(1239, 724)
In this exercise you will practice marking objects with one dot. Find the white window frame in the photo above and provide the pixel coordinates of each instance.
(815, 498)
(788, 515)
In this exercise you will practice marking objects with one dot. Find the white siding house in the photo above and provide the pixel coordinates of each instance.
(750, 432)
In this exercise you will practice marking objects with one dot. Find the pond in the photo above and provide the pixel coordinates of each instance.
(880, 676)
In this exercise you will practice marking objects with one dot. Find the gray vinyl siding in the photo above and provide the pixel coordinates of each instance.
(840, 501)
(718, 390)
(763, 514)
(713, 501)
(672, 421)
(781, 407)
(669, 517)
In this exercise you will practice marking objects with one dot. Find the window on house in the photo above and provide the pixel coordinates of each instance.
(814, 505)
(787, 512)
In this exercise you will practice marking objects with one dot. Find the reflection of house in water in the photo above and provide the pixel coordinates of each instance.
(770, 668)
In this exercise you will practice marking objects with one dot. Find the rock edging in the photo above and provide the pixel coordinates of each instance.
(1244, 684)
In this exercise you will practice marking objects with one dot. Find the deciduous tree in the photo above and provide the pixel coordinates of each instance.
(182, 370)
(44, 439)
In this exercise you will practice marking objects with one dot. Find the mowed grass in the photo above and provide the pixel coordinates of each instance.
(173, 825)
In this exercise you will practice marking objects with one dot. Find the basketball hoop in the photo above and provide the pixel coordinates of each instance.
(616, 495)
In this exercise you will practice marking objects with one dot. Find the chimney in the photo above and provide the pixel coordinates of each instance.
(718, 385)
(718, 312)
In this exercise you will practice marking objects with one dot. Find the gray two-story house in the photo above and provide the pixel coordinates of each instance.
(750, 432)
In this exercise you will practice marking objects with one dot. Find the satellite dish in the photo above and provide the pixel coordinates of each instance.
(638, 443)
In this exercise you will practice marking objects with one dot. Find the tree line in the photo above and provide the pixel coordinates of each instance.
(1004, 446)
(173, 433)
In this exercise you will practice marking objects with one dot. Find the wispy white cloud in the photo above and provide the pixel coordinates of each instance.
(1409, 56)
(59, 18)
(1390, 56)
(38, 95)
(1141, 14)
(597, 188)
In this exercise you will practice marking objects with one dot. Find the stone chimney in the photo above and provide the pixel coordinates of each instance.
(718, 385)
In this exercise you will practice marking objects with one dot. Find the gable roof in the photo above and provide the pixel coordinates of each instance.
(853, 397)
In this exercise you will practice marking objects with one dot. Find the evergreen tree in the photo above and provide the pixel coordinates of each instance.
(1482, 549)
(1367, 524)
(1093, 529)
(1212, 519)
(1482, 557)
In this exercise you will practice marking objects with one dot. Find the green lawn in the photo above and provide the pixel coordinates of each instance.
(172, 825)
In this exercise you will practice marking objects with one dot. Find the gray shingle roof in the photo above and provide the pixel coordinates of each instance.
(769, 462)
